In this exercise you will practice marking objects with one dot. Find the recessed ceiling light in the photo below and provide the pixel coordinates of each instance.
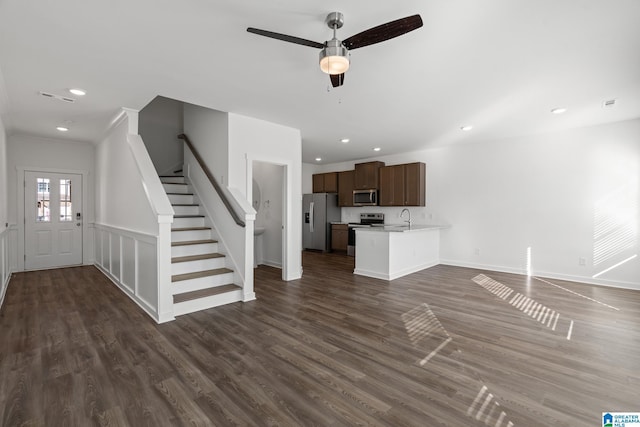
(559, 110)
(377, 149)
(466, 128)
(78, 92)
(62, 128)
(318, 159)
(345, 140)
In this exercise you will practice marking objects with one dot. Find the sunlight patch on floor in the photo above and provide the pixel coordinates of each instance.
(425, 331)
(528, 306)
(490, 407)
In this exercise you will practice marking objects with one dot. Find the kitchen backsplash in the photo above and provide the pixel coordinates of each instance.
(419, 215)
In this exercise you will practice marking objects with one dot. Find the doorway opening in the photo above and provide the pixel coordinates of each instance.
(268, 198)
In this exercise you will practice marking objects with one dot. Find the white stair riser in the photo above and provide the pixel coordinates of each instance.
(180, 199)
(208, 302)
(186, 210)
(200, 249)
(201, 283)
(197, 265)
(187, 222)
(176, 188)
(172, 179)
(183, 236)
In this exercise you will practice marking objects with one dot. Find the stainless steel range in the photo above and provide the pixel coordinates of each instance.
(366, 220)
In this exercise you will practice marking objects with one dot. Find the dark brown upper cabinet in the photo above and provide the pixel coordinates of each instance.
(391, 186)
(325, 182)
(403, 185)
(345, 188)
(367, 175)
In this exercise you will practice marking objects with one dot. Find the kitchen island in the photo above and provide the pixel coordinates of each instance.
(394, 251)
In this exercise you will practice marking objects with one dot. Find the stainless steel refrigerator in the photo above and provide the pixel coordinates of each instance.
(319, 210)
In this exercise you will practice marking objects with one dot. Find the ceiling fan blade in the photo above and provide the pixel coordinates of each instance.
(286, 38)
(383, 32)
(337, 79)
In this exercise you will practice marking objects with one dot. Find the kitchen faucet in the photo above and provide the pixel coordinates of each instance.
(409, 212)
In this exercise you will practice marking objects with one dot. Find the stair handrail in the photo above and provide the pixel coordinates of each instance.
(213, 181)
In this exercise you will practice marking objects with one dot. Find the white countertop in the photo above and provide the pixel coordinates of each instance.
(399, 228)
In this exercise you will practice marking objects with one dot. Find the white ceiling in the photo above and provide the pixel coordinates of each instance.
(499, 65)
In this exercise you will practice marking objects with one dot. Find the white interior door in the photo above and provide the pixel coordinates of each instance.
(53, 220)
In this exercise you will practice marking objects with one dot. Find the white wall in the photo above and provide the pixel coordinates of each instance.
(4, 197)
(567, 195)
(121, 198)
(133, 219)
(309, 169)
(257, 140)
(270, 180)
(7, 237)
(160, 123)
(34, 153)
(208, 131)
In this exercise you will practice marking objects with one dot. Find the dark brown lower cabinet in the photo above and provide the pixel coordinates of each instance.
(339, 237)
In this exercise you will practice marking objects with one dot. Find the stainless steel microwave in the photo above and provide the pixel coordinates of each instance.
(365, 197)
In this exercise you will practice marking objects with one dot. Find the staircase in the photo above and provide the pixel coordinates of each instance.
(200, 278)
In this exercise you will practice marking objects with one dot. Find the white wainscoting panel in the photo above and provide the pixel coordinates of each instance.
(129, 259)
(115, 256)
(8, 247)
(128, 278)
(147, 273)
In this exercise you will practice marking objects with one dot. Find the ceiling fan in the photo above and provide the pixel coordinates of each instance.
(334, 54)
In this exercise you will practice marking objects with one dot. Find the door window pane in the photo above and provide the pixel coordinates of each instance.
(42, 206)
(66, 211)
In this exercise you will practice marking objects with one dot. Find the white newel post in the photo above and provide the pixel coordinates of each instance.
(165, 295)
(247, 289)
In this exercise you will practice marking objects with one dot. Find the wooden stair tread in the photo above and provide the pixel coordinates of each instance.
(184, 204)
(176, 183)
(180, 194)
(171, 176)
(193, 242)
(188, 296)
(196, 257)
(200, 274)
(190, 228)
(188, 216)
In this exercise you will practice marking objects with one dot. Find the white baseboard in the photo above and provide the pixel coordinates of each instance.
(271, 264)
(129, 292)
(3, 291)
(394, 274)
(547, 274)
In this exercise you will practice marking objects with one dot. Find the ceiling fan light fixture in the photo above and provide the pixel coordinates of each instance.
(334, 57)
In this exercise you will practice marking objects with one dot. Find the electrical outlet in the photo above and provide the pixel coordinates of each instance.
(582, 261)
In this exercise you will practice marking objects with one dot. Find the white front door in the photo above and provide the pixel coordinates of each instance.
(53, 220)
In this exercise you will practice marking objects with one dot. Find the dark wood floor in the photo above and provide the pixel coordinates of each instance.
(443, 347)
